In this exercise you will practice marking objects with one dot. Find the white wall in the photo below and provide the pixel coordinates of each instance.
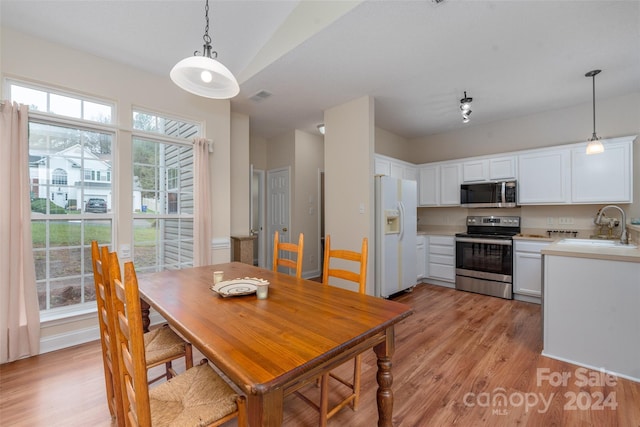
(348, 160)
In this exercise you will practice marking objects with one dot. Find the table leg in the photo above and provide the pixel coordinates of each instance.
(265, 410)
(384, 351)
(144, 308)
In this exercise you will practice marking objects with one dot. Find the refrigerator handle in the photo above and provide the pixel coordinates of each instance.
(401, 206)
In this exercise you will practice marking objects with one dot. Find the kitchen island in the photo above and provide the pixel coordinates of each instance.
(591, 296)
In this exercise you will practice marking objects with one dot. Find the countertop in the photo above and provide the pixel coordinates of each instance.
(594, 252)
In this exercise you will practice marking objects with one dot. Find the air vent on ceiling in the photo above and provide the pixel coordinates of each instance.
(260, 96)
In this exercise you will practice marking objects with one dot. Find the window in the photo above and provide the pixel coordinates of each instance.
(163, 192)
(62, 159)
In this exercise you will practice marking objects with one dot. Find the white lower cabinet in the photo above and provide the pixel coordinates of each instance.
(421, 257)
(441, 256)
(527, 270)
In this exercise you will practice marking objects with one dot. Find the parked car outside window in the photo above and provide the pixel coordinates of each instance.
(96, 206)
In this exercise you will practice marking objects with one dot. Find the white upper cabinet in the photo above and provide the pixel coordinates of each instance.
(439, 184)
(604, 177)
(502, 168)
(429, 186)
(389, 166)
(489, 169)
(450, 179)
(543, 177)
(475, 170)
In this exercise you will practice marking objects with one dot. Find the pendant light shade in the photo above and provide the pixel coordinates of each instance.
(202, 74)
(206, 77)
(595, 145)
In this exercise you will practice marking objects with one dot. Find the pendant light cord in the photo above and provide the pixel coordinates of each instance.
(594, 107)
(207, 48)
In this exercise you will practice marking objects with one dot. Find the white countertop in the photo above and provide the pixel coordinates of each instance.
(616, 253)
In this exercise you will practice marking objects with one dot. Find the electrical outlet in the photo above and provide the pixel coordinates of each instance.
(565, 220)
(549, 220)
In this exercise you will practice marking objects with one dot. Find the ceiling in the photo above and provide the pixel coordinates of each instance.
(416, 58)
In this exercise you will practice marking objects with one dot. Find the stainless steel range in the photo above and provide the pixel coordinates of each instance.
(484, 255)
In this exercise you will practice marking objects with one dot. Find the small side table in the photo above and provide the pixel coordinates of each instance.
(243, 248)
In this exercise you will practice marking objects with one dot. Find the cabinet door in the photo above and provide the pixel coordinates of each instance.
(450, 178)
(475, 170)
(528, 274)
(420, 257)
(543, 177)
(397, 170)
(502, 168)
(601, 178)
(382, 167)
(429, 186)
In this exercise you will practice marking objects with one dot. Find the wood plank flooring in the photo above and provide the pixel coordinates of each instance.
(456, 357)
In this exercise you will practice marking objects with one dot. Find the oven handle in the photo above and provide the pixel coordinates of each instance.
(489, 241)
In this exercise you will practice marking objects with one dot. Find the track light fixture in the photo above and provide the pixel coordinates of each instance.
(465, 107)
(594, 146)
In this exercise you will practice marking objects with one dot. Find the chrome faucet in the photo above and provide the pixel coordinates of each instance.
(624, 235)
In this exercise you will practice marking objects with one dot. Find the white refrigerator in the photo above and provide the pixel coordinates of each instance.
(396, 233)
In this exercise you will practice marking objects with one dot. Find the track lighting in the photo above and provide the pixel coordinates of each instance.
(465, 107)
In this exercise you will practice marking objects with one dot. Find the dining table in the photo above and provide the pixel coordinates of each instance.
(269, 347)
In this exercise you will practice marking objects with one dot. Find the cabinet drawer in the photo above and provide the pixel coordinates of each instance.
(441, 250)
(440, 259)
(444, 272)
(442, 240)
(529, 246)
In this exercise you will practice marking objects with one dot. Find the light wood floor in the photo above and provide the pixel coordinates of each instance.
(454, 357)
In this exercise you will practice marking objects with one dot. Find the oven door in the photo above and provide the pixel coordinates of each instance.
(485, 258)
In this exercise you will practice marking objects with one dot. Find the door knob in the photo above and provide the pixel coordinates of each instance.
(284, 230)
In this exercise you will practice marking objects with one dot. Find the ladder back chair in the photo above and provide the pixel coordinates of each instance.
(290, 248)
(107, 337)
(197, 397)
(337, 270)
(162, 345)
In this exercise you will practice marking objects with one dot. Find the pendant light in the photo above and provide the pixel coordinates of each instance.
(201, 74)
(594, 146)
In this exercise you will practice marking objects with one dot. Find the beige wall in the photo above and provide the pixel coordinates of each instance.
(240, 175)
(392, 145)
(615, 117)
(348, 162)
(309, 161)
(40, 61)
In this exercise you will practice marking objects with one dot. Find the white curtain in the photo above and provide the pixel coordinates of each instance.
(19, 311)
(202, 215)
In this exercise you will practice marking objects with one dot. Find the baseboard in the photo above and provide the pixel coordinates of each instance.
(82, 336)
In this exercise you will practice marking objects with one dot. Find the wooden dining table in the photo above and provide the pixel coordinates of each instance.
(270, 346)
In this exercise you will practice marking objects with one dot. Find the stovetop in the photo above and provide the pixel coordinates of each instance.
(493, 227)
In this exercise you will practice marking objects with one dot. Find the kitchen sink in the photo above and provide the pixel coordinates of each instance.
(596, 243)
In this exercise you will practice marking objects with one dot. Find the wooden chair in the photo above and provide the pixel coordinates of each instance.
(162, 345)
(107, 338)
(291, 248)
(197, 397)
(329, 270)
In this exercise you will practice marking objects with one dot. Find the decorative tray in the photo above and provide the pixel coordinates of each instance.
(237, 287)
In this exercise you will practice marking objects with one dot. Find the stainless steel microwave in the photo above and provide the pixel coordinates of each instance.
(496, 194)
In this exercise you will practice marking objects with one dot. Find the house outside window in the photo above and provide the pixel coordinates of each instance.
(163, 197)
(62, 153)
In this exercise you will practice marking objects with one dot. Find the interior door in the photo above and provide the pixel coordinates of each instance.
(257, 210)
(278, 200)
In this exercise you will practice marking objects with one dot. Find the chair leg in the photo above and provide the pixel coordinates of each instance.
(242, 411)
(356, 381)
(188, 355)
(324, 399)
(170, 373)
